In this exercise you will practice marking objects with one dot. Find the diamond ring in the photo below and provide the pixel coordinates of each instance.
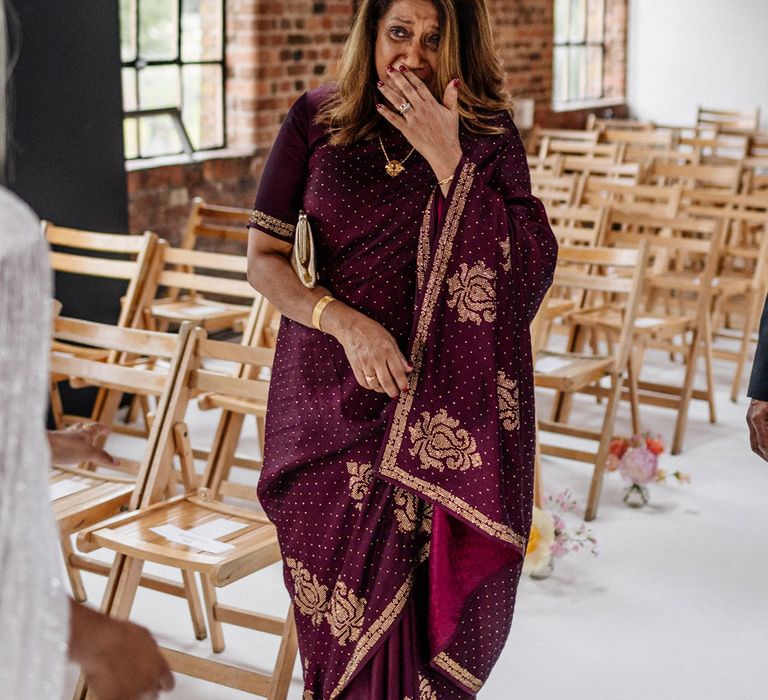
(405, 107)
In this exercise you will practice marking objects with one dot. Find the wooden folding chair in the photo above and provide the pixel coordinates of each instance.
(726, 149)
(215, 227)
(185, 279)
(595, 123)
(538, 143)
(615, 274)
(120, 257)
(85, 495)
(655, 200)
(729, 120)
(606, 152)
(628, 173)
(550, 166)
(724, 178)
(686, 319)
(742, 276)
(554, 190)
(198, 532)
(639, 146)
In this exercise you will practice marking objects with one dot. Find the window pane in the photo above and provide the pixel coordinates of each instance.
(595, 72)
(158, 29)
(596, 21)
(129, 89)
(202, 30)
(562, 22)
(131, 138)
(578, 21)
(560, 87)
(128, 30)
(577, 72)
(159, 137)
(202, 109)
(159, 87)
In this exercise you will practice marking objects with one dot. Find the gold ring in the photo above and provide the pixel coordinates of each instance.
(369, 378)
(405, 107)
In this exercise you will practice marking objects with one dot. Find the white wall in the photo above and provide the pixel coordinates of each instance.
(683, 53)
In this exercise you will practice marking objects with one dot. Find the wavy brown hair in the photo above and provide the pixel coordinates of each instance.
(466, 51)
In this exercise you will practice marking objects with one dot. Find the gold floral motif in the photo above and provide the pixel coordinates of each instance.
(308, 695)
(426, 518)
(422, 252)
(270, 223)
(460, 673)
(506, 251)
(406, 512)
(345, 614)
(439, 444)
(359, 480)
(425, 689)
(509, 401)
(472, 293)
(311, 597)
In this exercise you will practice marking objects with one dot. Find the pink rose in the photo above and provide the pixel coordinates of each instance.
(639, 466)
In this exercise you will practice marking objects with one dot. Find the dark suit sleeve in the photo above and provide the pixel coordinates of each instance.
(758, 382)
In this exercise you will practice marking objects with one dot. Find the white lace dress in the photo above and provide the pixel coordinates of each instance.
(33, 605)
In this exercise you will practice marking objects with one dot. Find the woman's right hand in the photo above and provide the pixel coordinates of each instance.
(371, 349)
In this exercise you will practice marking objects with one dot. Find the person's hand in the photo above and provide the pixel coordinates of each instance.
(77, 444)
(371, 350)
(431, 128)
(757, 420)
(120, 660)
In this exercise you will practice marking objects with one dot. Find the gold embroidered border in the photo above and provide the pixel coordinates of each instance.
(436, 279)
(460, 507)
(458, 672)
(422, 252)
(374, 632)
(259, 218)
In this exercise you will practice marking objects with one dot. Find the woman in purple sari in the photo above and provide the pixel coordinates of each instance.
(400, 436)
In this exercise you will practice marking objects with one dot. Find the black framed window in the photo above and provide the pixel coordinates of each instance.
(579, 51)
(173, 76)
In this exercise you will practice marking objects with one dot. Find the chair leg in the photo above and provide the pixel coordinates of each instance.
(633, 371)
(606, 435)
(195, 608)
(685, 394)
(286, 656)
(209, 596)
(75, 580)
(709, 372)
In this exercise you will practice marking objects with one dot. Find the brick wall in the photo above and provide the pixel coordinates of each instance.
(276, 49)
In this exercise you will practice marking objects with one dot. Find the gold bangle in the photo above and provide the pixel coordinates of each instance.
(445, 182)
(318, 310)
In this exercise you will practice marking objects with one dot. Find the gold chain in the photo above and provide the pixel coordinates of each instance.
(394, 167)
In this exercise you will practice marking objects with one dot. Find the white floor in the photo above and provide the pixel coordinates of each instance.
(674, 606)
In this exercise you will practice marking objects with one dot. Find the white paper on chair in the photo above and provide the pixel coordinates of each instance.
(201, 311)
(186, 537)
(216, 528)
(648, 321)
(66, 487)
(545, 365)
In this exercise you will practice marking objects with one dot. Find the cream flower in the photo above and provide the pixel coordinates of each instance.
(542, 537)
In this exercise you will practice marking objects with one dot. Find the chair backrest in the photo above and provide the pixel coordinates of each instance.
(661, 200)
(609, 152)
(729, 119)
(540, 138)
(554, 190)
(722, 177)
(613, 273)
(215, 227)
(629, 172)
(639, 146)
(549, 165)
(577, 226)
(151, 360)
(595, 123)
(105, 255)
(723, 148)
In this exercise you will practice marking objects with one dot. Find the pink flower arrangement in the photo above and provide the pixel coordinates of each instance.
(566, 539)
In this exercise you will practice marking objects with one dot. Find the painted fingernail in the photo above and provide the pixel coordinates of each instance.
(456, 82)
(380, 83)
(379, 105)
(403, 68)
(390, 69)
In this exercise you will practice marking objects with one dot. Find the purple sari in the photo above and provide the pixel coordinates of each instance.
(403, 523)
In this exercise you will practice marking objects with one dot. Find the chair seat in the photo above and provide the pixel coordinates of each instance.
(654, 326)
(81, 499)
(209, 314)
(569, 371)
(250, 548)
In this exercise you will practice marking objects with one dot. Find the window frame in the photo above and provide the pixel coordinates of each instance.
(139, 63)
(571, 101)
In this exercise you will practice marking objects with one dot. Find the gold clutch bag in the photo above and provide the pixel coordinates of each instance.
(303, 256)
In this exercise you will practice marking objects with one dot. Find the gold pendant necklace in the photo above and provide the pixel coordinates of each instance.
(394, 167)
